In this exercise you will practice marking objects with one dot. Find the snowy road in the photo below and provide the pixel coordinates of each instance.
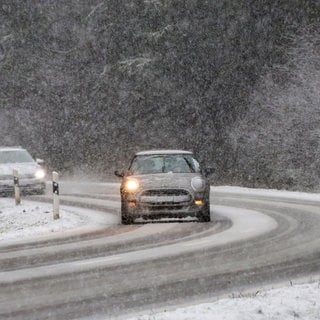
(256, 239)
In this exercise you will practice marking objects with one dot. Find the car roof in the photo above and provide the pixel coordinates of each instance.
(162, 152)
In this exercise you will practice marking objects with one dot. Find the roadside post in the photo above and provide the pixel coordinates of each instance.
(55, 190)
(16, 187)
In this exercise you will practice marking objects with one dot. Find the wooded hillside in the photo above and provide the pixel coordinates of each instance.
(84, 84)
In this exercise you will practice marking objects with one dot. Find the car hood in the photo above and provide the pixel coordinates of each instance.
(23, 168)
(165, 180)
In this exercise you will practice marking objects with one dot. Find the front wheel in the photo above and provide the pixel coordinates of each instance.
(126, 218)
(204, 214)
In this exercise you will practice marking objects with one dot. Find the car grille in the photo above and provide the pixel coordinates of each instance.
(10, 176)
(165, 192)
(167, 199)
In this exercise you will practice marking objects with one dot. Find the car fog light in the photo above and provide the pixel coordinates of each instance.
(132, 203)
(198, 202)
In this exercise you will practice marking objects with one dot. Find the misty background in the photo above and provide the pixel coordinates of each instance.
(85, 84)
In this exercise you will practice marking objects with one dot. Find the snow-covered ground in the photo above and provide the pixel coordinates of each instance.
(293, 195)
(299, 301)
(289, 302)
(286, 303)
(30, 219)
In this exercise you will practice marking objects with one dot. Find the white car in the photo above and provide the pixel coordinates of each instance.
(31, 174)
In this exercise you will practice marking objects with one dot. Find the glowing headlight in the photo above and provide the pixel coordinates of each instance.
(40, 174)
(132, 185)
(197, 184)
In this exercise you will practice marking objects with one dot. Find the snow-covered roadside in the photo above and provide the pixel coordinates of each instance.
(30, 219)
(292, 302)
(299, 301)
(293, 195)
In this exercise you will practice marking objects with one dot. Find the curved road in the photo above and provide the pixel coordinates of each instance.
(120, 270)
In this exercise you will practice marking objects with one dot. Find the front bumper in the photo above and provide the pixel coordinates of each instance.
(167, 212)
(175, 206)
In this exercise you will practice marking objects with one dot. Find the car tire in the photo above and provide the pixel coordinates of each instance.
(204, 214)
(125, 216)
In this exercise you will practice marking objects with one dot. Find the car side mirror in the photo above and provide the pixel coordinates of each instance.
(119, 174)
(208, 171)
(40, 161)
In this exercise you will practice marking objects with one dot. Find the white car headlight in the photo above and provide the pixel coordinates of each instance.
(40, 174)
(131, 185)
(197, 184)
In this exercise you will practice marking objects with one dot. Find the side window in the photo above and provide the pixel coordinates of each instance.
(196, 165)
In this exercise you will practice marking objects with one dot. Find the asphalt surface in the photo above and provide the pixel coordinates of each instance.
(112, 273)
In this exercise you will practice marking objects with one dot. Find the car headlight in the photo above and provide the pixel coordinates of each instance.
(40, 174)
(197, 184)
(131, 185)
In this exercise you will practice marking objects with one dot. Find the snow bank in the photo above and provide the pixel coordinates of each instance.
(31, 219)
(293, 195)
(294, 302)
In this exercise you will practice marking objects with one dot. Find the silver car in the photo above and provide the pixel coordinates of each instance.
(31, 174)
(164, 183)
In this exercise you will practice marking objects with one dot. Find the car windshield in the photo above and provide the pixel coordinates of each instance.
(176, 163)
(15, 156)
